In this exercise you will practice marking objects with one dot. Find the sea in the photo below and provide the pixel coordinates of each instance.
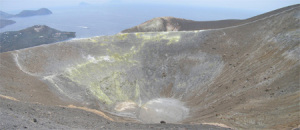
(110, 19)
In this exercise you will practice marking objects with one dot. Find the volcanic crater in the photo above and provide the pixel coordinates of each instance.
(243, 76)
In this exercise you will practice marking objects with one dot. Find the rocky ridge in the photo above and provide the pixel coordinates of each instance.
(177, 24)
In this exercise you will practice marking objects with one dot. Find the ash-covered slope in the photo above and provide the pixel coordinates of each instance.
(32, 36)
(161, 24)
(244, 76)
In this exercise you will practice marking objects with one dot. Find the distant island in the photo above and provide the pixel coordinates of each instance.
(25, 13)
(5, 22)
(28, 13)
(4, 15)
(32, 36)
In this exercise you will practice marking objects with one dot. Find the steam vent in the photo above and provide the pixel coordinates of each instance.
(241, 77)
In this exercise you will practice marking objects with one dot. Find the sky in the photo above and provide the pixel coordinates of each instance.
(256, 5)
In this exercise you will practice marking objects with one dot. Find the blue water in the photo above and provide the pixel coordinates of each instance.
(89, 21)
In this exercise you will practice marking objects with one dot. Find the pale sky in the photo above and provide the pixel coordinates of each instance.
(257, 5)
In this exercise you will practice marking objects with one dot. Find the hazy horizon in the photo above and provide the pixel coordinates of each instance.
(12, 6)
